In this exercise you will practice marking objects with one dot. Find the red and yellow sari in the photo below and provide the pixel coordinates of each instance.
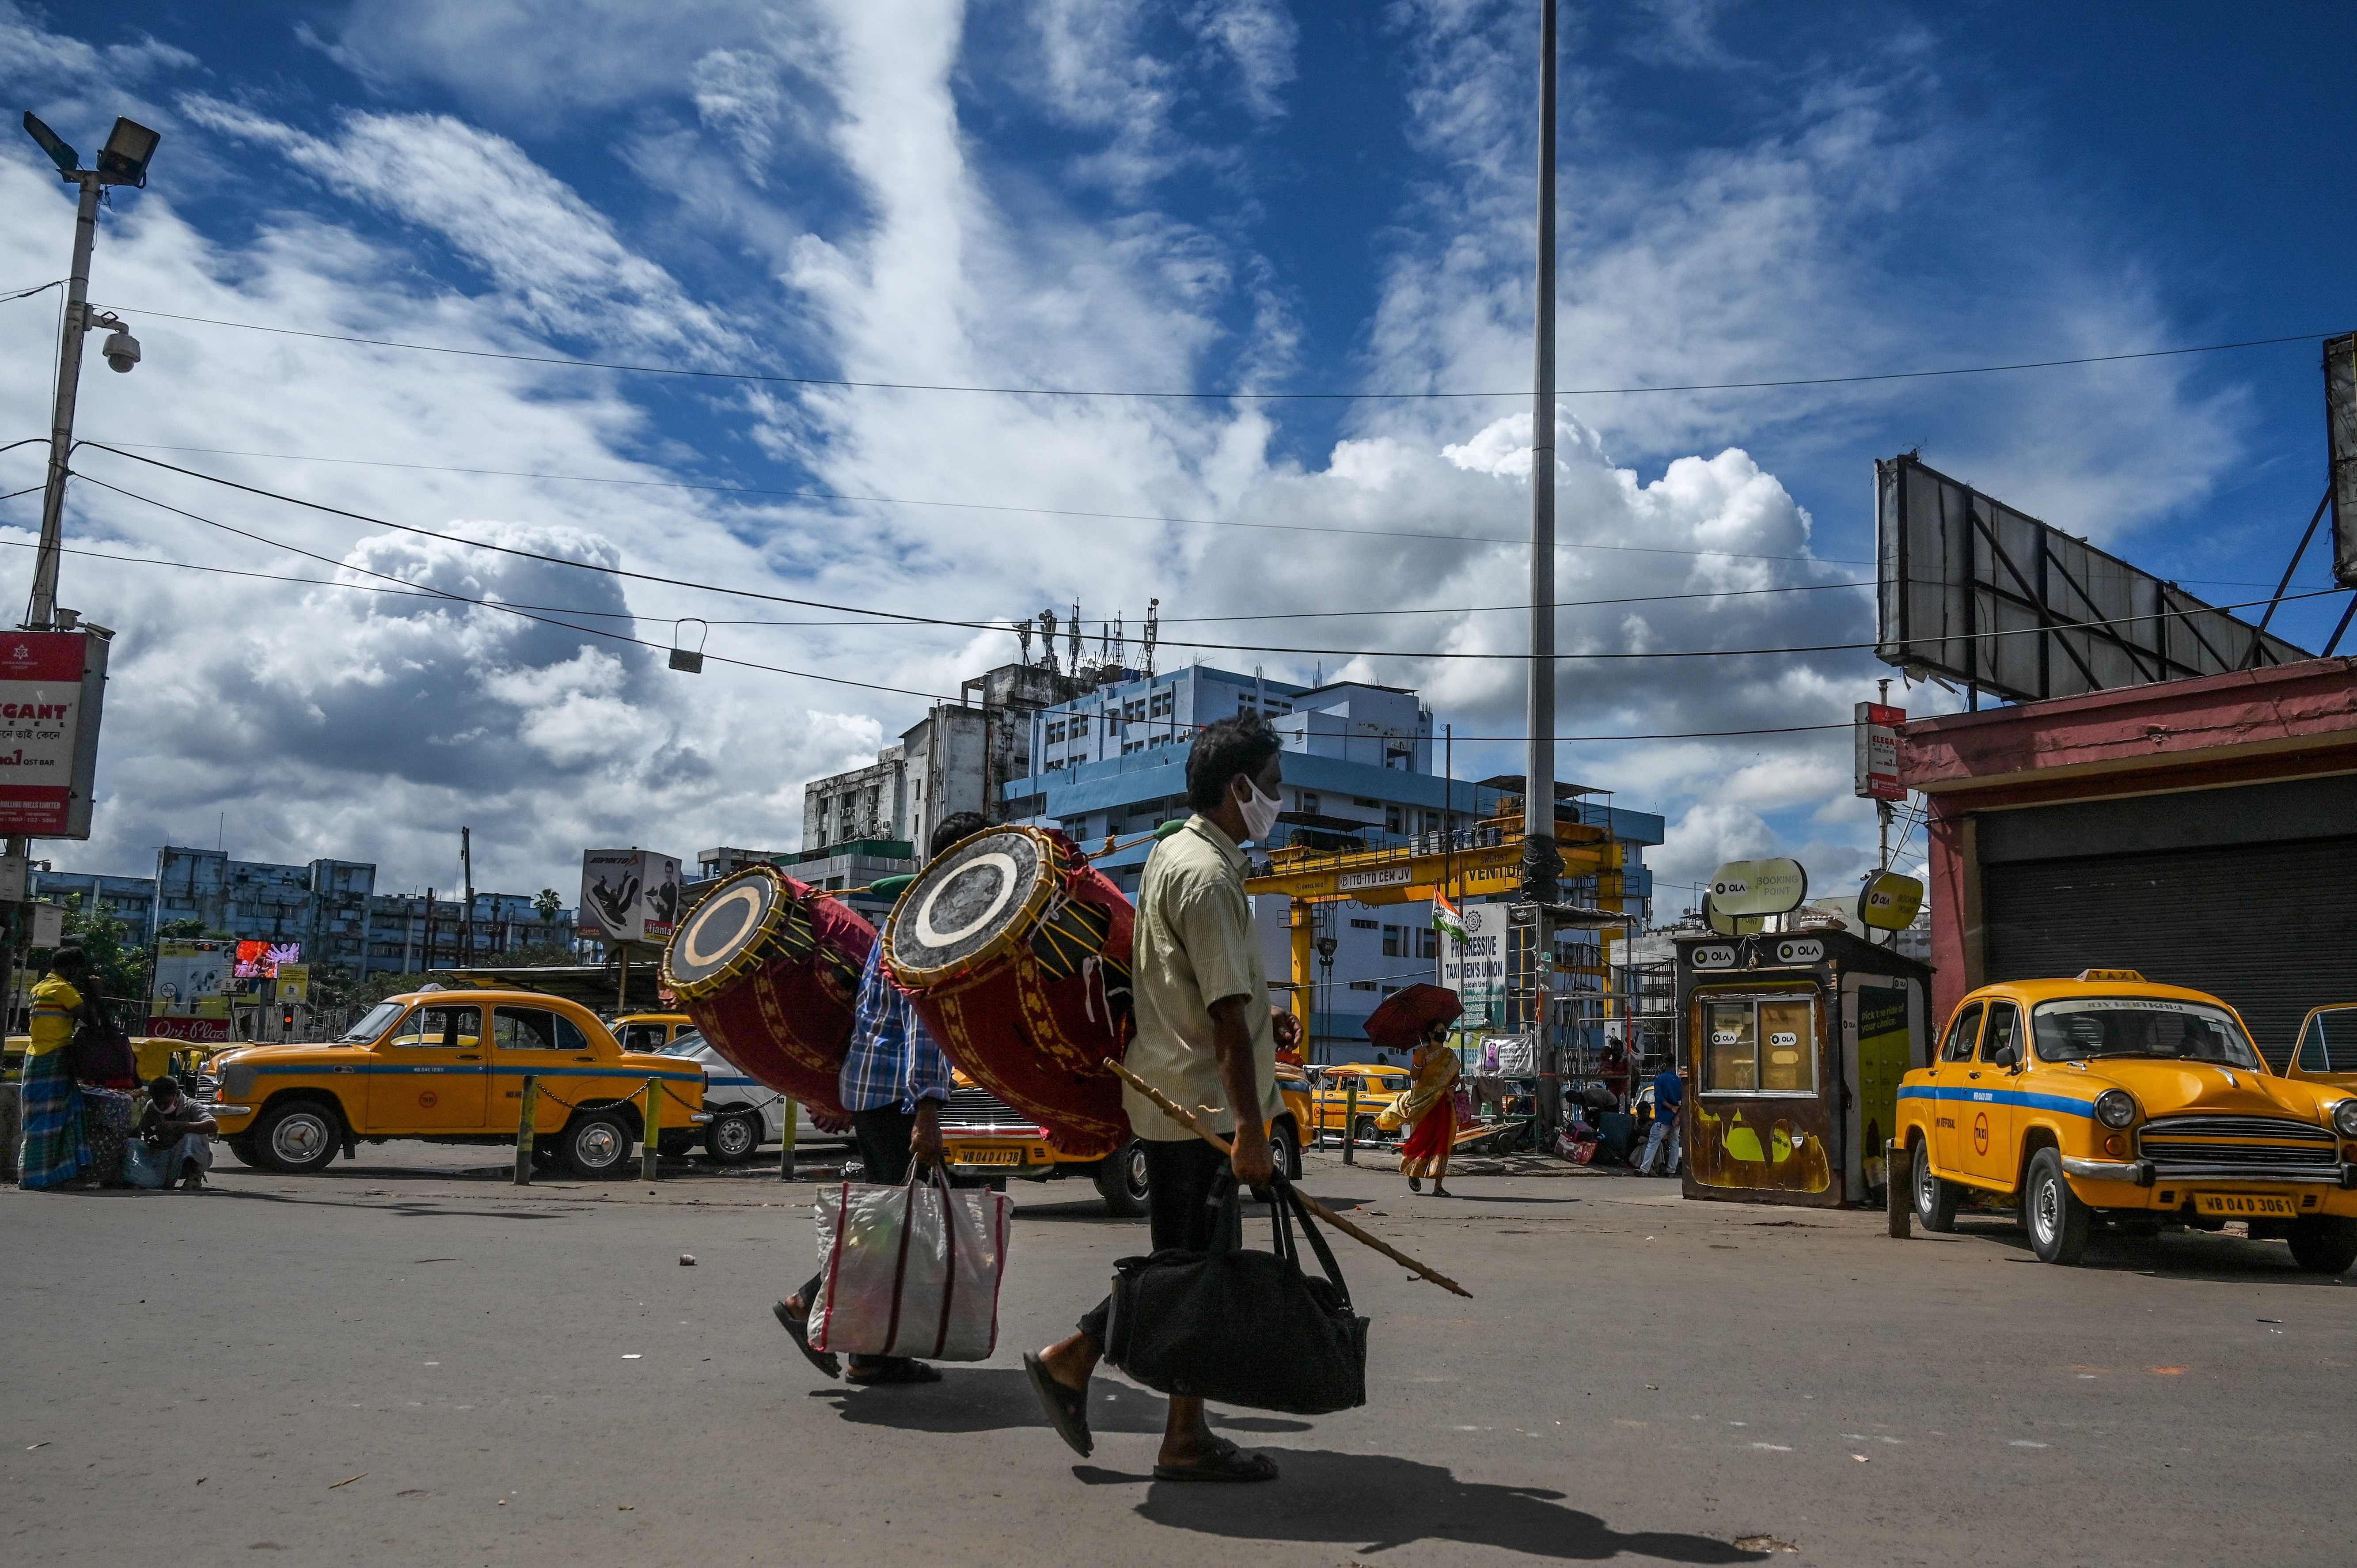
(1429, 1108)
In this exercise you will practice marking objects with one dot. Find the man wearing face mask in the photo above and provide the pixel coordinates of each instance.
(1204, 1039)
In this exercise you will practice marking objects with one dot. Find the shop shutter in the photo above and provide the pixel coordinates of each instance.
(2271, 927)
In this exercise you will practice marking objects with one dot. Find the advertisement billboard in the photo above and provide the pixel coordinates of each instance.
(260, 960)
(52, 685)
(628, 896)
(1474, 966)
(189, 998)
(1974, 590)
(1876, 745)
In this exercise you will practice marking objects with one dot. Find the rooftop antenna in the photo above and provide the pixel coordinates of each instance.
(1048, 639)
(1072, 639)
(1023, 638)
(1153, 631)
(1117, 645)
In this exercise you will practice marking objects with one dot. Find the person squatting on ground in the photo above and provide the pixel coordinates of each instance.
(1206, 1039)
(55, 1151)
(893, 1082)
(177, 1135)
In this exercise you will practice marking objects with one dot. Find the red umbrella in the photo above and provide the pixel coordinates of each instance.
(1407, 1015)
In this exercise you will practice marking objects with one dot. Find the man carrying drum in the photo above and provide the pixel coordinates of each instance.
(894, 1083)
(1205, 1038)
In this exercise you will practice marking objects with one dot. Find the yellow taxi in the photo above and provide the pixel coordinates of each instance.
(649, 1032)
(2108, 1098)
(449, 1066)
(1377, 1085)
(981, 1135)
(2326, 1048)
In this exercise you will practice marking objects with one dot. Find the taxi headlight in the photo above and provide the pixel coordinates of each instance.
(2344, 1118)
(2115, 1108)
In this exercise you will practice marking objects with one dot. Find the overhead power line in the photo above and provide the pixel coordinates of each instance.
(1229, 395)
(905, 616)
(846, 497)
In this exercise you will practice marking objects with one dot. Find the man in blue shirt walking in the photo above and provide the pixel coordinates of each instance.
(894, 1083)
(1669, 1100)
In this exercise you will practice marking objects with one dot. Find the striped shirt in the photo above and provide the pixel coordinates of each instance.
(893, 1060)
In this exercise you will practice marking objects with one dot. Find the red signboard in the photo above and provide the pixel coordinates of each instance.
(1877, 751)
(40, 723)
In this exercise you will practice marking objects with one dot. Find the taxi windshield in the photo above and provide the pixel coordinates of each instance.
(2084, 1027)
(372, 1025)
(687, 1043)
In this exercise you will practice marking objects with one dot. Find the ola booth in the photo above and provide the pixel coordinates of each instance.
(1792, 1045)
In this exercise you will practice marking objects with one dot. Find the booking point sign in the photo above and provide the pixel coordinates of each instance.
(51, 686)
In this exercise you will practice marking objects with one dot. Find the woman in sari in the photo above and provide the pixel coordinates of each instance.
(56, 1152)
(1429, 1109)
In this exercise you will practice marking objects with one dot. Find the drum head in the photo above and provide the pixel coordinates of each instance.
(965, 900)
(730, 920)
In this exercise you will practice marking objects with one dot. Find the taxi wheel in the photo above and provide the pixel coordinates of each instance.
(1122, 1181)
(2323, 1243)
(298, 1137)
(1284, 1150)
(597, 1145)
(733, 1137)
(1935, 1200)
(2057, 1220)
(1366, 1131)
(246, 1154)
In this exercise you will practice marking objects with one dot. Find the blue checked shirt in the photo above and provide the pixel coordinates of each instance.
(893, 1060)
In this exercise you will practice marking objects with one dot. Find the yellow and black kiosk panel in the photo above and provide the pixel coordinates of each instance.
(1792, 1046)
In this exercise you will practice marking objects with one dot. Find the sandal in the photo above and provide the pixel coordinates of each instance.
(825, 1360)
(1226, 1462)
(872, 1371)
(1416, 1183)
(1067, 1408)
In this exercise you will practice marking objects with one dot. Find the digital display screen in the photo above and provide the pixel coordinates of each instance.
(260, 960)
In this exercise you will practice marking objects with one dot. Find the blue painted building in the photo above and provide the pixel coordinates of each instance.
(1362, 767)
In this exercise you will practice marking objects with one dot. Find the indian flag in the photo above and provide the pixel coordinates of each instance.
(1446, 920)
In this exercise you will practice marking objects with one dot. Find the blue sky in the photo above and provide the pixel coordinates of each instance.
(1200, 194)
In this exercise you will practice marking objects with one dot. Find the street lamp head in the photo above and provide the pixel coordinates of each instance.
(123, 159)
(64, 156)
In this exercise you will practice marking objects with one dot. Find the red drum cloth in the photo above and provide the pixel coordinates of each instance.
(1029, 993)
(769, 968)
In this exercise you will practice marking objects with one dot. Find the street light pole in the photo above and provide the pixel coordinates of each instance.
(1542, 863)
(42, 610)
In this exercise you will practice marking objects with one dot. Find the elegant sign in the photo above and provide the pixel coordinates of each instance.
(1875, 752)
(1890, 902)
(1758, 887)
(52, 684)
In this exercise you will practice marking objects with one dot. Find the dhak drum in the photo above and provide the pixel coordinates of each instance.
(769, 968)
(1016, 952)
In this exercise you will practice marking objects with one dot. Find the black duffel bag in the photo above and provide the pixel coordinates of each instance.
(101, 1051)
(1241, 1328)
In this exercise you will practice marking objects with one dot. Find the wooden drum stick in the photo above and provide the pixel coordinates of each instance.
(1186, 1118)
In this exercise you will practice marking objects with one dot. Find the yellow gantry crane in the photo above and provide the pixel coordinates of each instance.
(1488, 866)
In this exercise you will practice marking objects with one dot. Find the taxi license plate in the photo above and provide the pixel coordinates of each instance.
(2231, 1204)
(987, 1156)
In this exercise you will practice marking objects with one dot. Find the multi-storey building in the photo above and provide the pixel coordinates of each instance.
(1360, 771)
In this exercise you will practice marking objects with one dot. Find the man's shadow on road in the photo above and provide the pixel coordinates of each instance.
(999, 1398)
(1373, 1502)
(1369, 1502)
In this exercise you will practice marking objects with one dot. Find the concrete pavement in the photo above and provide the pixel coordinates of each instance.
(393, 1363)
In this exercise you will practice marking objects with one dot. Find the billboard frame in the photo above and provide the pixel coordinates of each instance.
(2340, 451)
(2033, 629)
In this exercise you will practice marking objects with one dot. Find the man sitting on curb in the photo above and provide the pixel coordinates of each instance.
(180, 1133)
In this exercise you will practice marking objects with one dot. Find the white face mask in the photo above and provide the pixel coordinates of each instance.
(1260, 812)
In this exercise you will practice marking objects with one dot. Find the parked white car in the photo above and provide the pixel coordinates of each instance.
(746, 1113)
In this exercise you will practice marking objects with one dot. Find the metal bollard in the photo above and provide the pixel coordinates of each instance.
(653, 1121)
(1350, 1123)
(1898, 1188)
(524, 1119)
(12, 1128)
(786, 1154)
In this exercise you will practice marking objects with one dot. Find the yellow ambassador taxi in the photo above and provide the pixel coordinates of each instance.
(449, 1066)
(2107, 1098)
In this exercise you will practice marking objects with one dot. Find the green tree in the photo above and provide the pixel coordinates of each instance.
(548, 903)
(121, 967)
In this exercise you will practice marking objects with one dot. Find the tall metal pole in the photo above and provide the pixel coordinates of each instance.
(42, 610)
(467, 877)
(1542, 863)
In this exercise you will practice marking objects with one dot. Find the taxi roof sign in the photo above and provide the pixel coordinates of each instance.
(2128, 974)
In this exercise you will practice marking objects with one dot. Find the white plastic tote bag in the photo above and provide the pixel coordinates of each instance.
(910, 1271)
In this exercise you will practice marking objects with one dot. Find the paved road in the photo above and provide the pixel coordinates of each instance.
(510, 1377)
